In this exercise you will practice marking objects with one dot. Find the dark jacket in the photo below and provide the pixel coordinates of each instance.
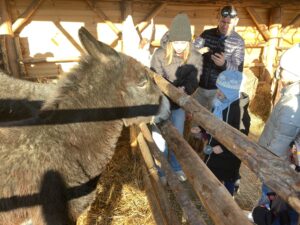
(180, 75)
(226, 165)
(234, 48)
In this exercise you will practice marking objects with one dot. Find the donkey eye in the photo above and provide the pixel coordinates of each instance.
(143, 82)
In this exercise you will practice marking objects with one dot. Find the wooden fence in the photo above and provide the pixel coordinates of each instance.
(217, 201)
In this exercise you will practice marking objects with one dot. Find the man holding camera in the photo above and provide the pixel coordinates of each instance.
(225, 51)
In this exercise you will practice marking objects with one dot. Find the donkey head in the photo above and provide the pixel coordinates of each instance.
(106, 79)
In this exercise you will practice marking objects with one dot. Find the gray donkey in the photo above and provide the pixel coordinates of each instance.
(20, 99)
(49, 168)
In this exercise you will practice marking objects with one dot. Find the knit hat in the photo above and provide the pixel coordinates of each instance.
(290, 62)
(230, 79)
(180, 29)
(228, 83)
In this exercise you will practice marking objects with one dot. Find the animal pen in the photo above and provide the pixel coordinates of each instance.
(39, 41)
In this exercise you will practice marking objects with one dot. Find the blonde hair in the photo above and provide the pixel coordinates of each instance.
(170, 53)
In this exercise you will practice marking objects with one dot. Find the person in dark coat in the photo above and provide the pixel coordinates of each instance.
(226, 52)
(231, 106)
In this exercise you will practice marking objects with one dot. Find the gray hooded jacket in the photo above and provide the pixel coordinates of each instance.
(284, 122)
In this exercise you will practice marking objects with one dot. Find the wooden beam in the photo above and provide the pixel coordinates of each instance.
(68, 36)
(161, 194)
(126, 9)
(263, 29)
(6, 31)
(290, 26)
(153, 201)
(23, 71)
(50, 59)
(272, 170)
(26, 15)
(4, 55)
(294, 20)
(191, 213)
(103, 17)
(145, 23)
(273, 43)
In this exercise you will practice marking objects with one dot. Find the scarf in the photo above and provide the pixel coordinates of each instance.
(219, 105)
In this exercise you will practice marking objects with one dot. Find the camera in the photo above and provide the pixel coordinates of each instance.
(208, 150)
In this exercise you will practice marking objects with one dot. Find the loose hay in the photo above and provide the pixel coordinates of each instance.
(260, 105)
(121, 198)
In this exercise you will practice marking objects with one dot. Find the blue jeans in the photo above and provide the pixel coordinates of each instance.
(264, 200)
(177, 118)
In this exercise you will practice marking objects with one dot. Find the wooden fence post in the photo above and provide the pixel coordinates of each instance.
(6, 31)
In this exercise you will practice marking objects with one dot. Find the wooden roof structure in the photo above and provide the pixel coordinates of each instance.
(268, 27)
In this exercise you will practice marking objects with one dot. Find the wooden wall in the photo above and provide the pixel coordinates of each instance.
(51, 31)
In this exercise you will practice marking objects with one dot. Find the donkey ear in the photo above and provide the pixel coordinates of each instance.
(95, 48)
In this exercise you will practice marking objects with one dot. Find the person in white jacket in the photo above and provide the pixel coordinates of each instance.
(283, 124)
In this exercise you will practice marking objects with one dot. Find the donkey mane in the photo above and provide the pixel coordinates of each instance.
(79, 87)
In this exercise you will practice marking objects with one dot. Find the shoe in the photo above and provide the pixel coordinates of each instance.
(181, 175)
(249, 216)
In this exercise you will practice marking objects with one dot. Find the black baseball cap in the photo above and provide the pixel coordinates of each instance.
(228, 11)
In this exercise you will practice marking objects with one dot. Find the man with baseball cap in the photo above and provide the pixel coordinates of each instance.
(226, 50)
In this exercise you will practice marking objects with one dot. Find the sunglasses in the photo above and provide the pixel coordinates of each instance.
(228, 11)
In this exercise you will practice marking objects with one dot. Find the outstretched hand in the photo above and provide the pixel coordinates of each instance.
(218, 58)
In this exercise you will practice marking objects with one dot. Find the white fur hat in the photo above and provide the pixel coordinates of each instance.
(290, 62)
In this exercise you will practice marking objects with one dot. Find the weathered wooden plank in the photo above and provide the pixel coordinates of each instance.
(6, 28)
(26, 15)
(69, 37)
(23, 71)
(258, 22)
(50, 59)
(166, 209)
(104, 17)
(145, 23)
(153, 201)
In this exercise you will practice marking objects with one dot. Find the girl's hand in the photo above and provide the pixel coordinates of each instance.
(217, 149)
